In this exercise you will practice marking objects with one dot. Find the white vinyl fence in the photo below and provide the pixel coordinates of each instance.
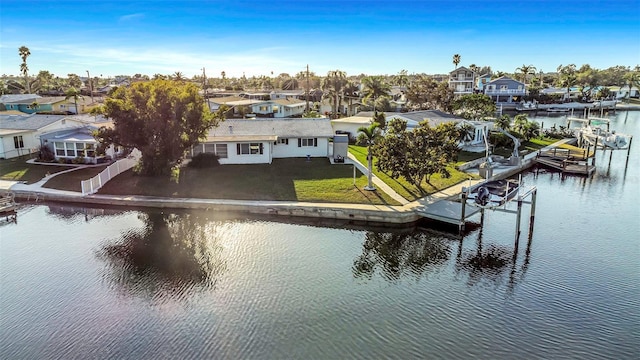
(95, 183)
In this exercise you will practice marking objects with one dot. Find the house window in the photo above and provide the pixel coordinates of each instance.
(249, 148)
(221, 151)
(80, 149)
(18, 142)
(90, 150)
(283, 141)
(307, 142)
(504, 87)
(59, 148)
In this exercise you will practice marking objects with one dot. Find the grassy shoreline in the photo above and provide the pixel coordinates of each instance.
(284, 180)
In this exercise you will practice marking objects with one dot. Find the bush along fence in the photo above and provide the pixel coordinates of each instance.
(91, 186)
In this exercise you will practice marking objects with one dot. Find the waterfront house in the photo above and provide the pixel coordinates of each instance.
(505, 90)
(437, 117)
(238, 141)
(462, 81)
(20, 134)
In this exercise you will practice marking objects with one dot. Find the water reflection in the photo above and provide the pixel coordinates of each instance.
(397, 254)
(171, 257)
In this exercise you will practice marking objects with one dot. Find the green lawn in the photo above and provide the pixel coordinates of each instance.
(406, 189)
(285, 179)
(71, 180)
(17, 169)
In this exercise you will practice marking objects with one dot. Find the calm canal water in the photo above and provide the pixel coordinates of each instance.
(105, 283)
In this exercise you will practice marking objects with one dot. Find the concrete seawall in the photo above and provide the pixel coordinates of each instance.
(382, 214)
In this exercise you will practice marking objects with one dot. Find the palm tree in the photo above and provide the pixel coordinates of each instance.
(333, 85)
(456, 60)
(375, 87)
(370, 134)
(503, 122)
(350, 92)
(526, 70)
(24, 69)
(401, 79)
(74, 94)
(178, 76)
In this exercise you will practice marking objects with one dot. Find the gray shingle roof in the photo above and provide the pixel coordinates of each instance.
(280, 127)
(435, 117)
(11, 98)
(29, 122)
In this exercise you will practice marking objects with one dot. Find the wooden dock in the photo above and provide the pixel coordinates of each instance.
(570, 161)
(8, 206)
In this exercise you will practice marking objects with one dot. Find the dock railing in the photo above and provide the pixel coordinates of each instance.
(91, 186)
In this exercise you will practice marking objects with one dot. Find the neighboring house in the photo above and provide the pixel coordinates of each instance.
(505, 90)
(46, 104)
(261, 141)
(15, 102)
(238, 106)
(279, 108)
(481, 82)
(437, 117)
(78, 143)
(619, 93)
(20, 134)
(462, 81)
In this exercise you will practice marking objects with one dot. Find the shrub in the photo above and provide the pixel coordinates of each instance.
(204, 160)
(46, 154)
(78, 160)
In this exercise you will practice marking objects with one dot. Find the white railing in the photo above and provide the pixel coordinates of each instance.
(92, 185)
(504, 91)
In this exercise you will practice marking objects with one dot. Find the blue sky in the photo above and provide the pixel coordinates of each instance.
(259, 37)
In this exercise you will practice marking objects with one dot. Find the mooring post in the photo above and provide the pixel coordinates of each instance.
(462, 211)
(518, 217)
(629, 147)
(595, 147)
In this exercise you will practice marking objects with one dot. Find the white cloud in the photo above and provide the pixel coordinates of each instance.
(131, 17)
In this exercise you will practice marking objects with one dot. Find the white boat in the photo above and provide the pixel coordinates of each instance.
(528, 106)
(596, 135)
(558, 110)
(492, 194)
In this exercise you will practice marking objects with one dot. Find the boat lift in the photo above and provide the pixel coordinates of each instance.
(520, 199)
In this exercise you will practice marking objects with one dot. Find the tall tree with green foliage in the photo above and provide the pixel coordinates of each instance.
(526, 70)
(160, 118)
(333, 86)
(425, 93)
(474, 106)
(374, 88)
(417, 155)
(24, 53)
(503, 122)
(368, 136)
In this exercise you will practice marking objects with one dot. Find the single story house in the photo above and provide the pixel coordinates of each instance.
(58, 104)
(261, 141)
(20, 134)
(75, 143)
(279, 108)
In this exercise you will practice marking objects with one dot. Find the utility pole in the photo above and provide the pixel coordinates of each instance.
(307, 90)
(90, 87)
(204, 87)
